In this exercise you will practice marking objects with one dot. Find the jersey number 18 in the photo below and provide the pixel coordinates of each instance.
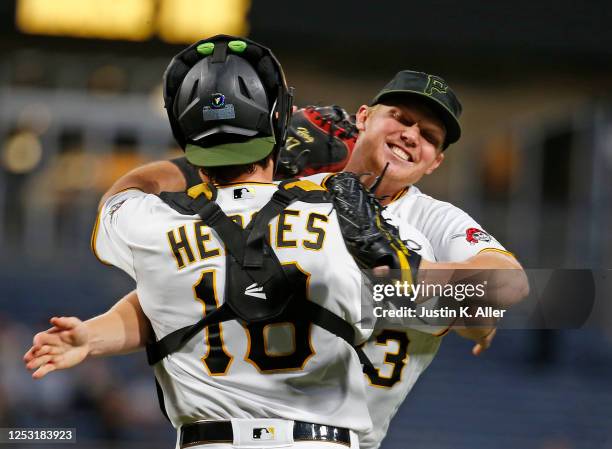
(259, 353)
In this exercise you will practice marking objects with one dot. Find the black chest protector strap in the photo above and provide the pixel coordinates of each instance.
(289, 191)
(251, 264)
(157, 351)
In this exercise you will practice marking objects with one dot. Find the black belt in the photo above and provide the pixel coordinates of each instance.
(221, 432)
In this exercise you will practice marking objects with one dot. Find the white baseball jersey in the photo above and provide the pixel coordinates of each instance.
(439, 232)
(399, 357)
(453, 234)
(289, 370)
(444, 233)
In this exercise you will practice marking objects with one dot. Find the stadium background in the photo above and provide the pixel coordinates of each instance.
(80, 104)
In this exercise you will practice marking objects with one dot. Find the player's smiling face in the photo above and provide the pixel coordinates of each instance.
(406, 134)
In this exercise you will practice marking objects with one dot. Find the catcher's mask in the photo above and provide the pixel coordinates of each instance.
(227, 101)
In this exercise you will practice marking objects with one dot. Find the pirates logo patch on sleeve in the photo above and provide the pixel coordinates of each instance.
(474, 236)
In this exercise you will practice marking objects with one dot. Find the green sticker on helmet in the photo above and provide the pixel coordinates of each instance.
(206, 48)
(237, 46)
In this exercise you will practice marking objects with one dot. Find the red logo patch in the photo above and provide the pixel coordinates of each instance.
(475, 235)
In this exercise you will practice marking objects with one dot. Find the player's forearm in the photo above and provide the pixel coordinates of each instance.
(123, 329)
(507, 282)
(156, 177)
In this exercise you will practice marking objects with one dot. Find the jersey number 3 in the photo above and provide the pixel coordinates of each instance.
(396, 359)
(261, 352)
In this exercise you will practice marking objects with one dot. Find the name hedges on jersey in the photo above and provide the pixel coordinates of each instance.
(183, 240)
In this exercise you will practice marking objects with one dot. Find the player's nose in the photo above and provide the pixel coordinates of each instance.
(410, 135)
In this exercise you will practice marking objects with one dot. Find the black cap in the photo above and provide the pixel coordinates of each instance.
(434, 91)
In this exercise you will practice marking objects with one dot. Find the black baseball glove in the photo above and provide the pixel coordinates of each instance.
(320, 139)
(369, 237)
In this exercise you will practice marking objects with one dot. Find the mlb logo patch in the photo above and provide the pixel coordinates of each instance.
(218, 109)
(263, 433)
(243, 193)
(217, 101)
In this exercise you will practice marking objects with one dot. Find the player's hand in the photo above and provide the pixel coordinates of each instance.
(482, 336)
(63, 346)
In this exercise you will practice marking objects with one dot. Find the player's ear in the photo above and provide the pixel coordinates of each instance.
(361, 116)
(435, 164)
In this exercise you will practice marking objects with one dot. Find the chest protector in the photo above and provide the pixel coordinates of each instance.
(251, 265)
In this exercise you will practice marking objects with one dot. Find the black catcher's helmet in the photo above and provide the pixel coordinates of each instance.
(227, 101)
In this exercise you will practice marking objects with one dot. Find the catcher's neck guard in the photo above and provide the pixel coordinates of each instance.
(224, 49)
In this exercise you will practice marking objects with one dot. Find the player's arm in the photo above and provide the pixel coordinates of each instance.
(507, 282)
(160, 176)
(509, 288)
(507, 285)
(122, 329)
(464, 250)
